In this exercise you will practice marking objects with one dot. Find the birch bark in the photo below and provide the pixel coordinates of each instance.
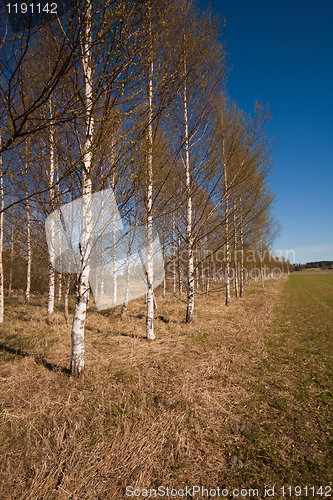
(180, 263)
(27, 208)
(28, 286)
(173, 255)
(207, 266)
(261, 266)
(114, 261)
(128, 273)
(189, 238)
(82, 284)
(59, 275)
(149, 201)
(101, 291)
(227, 266)
(50, 301)
(163, 253)
(203, 254)
(114, 250)
(241, 286)
(235, 254)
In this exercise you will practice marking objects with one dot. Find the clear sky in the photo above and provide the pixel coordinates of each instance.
(281, 52)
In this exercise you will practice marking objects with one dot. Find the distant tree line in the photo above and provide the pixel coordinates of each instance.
(321, 264)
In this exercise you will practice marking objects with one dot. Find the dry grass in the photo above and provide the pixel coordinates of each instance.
(142, 414)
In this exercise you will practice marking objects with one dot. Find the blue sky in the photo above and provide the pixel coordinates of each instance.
(281, 52)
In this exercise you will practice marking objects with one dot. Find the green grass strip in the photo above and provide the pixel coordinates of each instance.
(292, 390)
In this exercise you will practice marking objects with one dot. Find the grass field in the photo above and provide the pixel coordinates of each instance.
(293, 388)
(315, 270)
(241, 399)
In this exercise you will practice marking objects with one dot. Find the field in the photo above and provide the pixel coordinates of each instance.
(316, 270)
(240, 399)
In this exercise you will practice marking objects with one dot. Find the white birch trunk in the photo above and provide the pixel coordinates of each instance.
(261, 266)
(189, 238)
(114, 260)
(125, 306)
(59, 276)
(102, 272)
(235, 254)
(227, 267)
(50, 301)
(82, 285)
(27, 290)
(203, 254)
(173, 255)
(241, 287)
(207, 269)
(1, 242)
(27, 208)
(114, 251)
(163, 254)
(67, 283)
(149, 203)
(180, 264)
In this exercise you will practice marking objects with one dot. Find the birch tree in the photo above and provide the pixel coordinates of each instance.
(149, 195)
(189, 238)
(157, 97)
(27, 210)
(50, 302)
(202, 75)
(226, 209)
(241, 239)
(235, 251)
(173, 254)
(82, 284)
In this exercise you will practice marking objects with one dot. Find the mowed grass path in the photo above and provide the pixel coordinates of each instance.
(293, 390)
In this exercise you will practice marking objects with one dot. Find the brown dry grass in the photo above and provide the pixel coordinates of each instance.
(142, 414)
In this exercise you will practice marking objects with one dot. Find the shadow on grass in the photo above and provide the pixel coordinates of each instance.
(133, 336)
(39, 360)
(112, 313)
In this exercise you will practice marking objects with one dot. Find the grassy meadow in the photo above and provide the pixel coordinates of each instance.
(242, 398)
